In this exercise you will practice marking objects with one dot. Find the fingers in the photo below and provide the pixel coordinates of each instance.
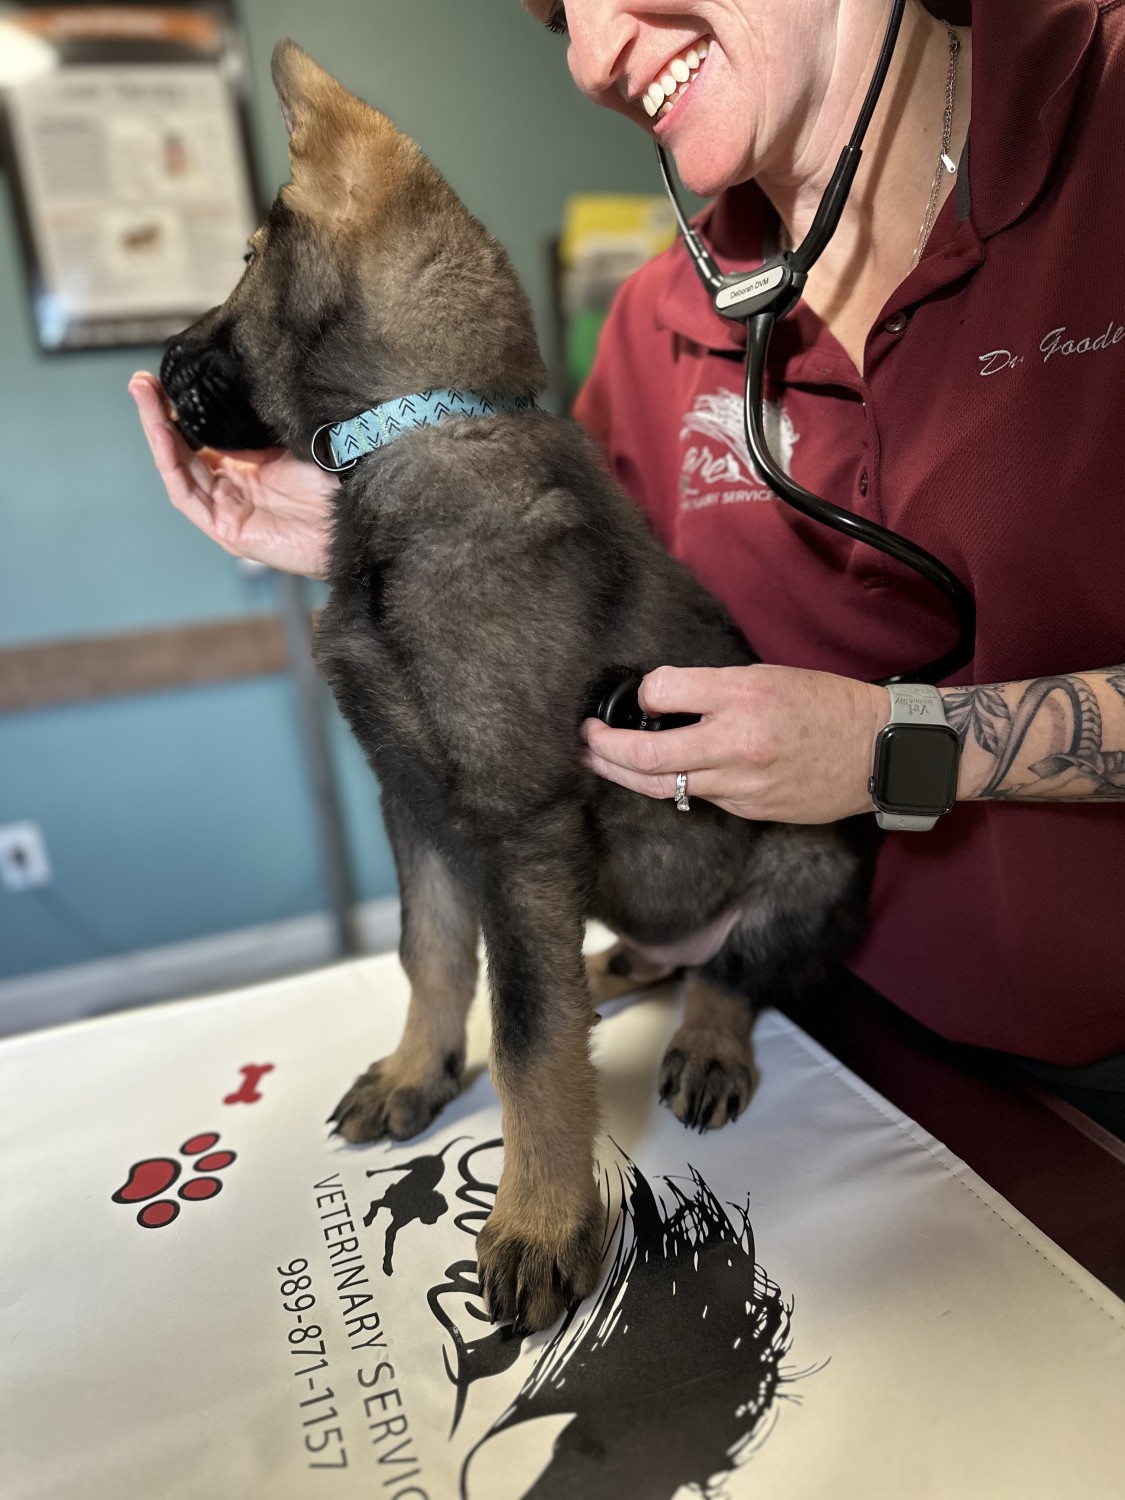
(775, 743)
(255, 456)
(649, 763)
(147, 392)
(634, 781)
(686, 690)
(188, 477)
(703, 783)
(698, 690)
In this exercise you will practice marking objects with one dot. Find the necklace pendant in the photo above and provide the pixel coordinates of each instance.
(944, 162)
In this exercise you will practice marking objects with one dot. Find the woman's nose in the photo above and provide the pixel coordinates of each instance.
(601, 34)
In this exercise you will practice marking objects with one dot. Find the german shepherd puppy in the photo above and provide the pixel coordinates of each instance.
(485, 575)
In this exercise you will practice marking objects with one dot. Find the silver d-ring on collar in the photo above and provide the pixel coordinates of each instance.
(328, 468)
(682, 803)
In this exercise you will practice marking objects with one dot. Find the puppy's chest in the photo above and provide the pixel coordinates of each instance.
(382, 661)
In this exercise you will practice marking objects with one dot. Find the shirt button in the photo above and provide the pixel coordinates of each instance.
(863, 483)
(895, 323)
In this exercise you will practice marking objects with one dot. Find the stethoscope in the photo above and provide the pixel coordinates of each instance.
(758, 299)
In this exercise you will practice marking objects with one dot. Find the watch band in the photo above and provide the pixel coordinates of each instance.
(915, 703)
(903, 822)
(912, 703)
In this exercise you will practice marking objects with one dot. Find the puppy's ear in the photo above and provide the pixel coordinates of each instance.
(301, 86)
(336, 142)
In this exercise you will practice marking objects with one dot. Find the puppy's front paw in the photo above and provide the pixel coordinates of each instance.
(705, 1078)
(386, 1100)
(530, 1272)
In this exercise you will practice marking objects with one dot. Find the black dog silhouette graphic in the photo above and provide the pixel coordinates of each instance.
(413, 1200)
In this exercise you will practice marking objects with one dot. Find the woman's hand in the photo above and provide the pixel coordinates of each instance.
(267, 505)
(777, 743)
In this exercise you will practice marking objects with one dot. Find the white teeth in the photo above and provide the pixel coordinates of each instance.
(666, 90)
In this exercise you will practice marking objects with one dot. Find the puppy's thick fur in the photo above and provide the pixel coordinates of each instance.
(484, 574)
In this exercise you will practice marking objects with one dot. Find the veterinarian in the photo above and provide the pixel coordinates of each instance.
(955, 371)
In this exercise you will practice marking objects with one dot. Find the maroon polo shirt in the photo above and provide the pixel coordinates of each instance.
(989, 427)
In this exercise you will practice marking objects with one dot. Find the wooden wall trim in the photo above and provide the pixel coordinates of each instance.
(142, 661)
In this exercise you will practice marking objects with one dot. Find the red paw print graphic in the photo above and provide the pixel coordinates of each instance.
(156, 1174)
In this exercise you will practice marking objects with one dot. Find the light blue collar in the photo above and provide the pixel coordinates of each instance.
(348, 441)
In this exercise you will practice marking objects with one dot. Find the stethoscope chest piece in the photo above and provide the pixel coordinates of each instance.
(619, 706)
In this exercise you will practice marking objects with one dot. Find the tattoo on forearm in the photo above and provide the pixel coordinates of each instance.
(1078, 763)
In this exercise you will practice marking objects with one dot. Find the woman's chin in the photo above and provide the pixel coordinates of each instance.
(705, 175)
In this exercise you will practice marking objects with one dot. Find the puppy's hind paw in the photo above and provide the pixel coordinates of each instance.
(705, 1078)
(622, 970)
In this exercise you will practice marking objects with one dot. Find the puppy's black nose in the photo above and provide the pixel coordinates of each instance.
(209, 393)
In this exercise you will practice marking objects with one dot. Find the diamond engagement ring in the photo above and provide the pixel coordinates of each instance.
(682, 803)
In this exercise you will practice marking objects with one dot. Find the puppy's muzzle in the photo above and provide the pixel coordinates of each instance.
(208, 390)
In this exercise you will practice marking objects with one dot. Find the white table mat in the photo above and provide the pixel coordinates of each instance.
(818, 1301)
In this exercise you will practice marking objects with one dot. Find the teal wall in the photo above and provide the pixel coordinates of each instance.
(173, 815)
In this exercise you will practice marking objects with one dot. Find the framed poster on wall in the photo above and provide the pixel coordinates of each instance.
(127, 143)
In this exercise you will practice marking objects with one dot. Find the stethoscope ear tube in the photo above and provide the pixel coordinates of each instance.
(758, 331)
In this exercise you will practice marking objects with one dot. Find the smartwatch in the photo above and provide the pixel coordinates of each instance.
(917, 755)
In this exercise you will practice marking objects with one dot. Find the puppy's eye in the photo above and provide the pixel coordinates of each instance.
(249, 256)
(556, 21)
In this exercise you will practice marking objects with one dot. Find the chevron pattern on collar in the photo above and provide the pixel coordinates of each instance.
(380, 425)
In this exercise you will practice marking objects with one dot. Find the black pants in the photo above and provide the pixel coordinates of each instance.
(839, 1013)
(1097, 1089)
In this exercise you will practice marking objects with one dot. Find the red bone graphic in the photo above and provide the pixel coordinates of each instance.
(247, 1091)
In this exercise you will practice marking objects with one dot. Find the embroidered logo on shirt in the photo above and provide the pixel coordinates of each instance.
(717, 468)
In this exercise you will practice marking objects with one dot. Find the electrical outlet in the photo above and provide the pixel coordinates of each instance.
(24, 865)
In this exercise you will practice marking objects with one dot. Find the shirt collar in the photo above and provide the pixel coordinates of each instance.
(1023, 51)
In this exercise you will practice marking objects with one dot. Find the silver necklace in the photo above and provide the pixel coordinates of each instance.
(945, 162)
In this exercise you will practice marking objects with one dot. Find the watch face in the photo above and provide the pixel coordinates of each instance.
(916, 769)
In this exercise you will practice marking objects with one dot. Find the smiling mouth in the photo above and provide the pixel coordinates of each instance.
(675, 78)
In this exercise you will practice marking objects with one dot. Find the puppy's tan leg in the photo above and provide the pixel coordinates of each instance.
(540, 1251)
(400, 1095)
(706, 1076)
(629, 966)
(541, 1247)
(622, 970)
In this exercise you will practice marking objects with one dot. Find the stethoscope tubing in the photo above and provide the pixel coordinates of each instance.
(795, 266)
(758, 333)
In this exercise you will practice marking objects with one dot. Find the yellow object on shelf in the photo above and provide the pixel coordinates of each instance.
(605, 238)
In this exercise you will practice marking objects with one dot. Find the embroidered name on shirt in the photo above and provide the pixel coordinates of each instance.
(1051, 343)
